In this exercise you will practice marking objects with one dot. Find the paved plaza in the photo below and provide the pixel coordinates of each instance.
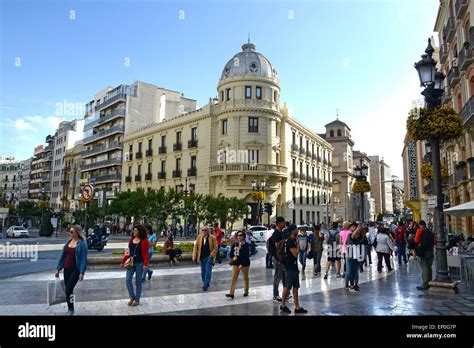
(178, 291)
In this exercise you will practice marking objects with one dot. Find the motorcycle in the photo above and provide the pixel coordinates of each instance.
(97, 237)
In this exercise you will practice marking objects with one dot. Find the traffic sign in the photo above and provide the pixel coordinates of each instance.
(432, 201)
(87, 193)
(54, 222)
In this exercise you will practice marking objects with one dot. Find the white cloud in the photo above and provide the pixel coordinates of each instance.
(22, 125)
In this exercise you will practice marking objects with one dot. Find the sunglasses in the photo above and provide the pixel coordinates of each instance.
(240, 235)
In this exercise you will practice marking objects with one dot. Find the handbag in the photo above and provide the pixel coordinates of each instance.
(56, 292)
(310, 255)
(129, 263)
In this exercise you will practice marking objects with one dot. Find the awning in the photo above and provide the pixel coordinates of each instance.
(465, 209)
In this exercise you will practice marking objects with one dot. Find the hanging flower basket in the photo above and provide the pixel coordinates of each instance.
(443, 123)
(361, 186)
(426, 172)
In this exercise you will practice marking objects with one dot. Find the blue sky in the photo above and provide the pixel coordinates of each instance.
(356, 56)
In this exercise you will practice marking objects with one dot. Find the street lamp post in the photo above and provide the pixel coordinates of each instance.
(362, 172)
(432, 81)
(259, 188)
(185, 227)
(43, 196)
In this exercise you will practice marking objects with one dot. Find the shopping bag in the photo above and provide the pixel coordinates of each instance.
(56, 292)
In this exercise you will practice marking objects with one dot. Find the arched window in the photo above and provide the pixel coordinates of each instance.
(331, 133)
(339, 133)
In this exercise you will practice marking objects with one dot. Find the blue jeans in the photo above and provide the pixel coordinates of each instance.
(137, 268)
(302, 258)
(226, 249)
(353, 271)
(206, 271)
(401, 249)
(148, 270)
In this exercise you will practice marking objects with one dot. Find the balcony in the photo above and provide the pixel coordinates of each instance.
(451, 181)
(130, 157)
(320, 181)
(251, 168)
(113, 100)
(318, 158)
(64, 182)
(162, 150)
(48, 148)
(102, 119)
(114, 145)
(443, 53)
(449, 29)
(314, 157)
(192, 143)
(302, 177)
(108, 178)
(149, 153)
(325, 161)
(110, 162)
(177, 173)
(294, 147)
(177, 147)
(148, 177)
(103, 133)
(470, 160)
(138, 178)
(295, 175)
(329, 163)
(315, 180)
(460, 8)
(192, 171)
(467, 111)
(162, 175)
(465, 58)
(453, 77)
(461, 172)
(302, 151)
(128, 178)
(447, 96)
(428, 188)
(139, 155)
(308, 153)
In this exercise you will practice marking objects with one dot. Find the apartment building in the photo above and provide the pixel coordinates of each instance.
(9, 180)
(40, 174)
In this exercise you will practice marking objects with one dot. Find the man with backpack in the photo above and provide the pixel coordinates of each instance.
(276, 242)
(425, 240)
(289, 259)
(401, 242)
(333, 246)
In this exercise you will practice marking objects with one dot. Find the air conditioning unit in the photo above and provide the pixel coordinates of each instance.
(454, 63)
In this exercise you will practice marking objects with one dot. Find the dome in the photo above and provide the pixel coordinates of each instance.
(249, 62)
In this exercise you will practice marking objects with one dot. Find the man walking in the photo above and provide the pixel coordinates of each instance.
(401, 242)
(425, 240)
(316, 240)
(292, 280)
(278, 275)
(205, 250)
(218, 235)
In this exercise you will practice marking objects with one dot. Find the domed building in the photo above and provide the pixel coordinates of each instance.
(240, 142)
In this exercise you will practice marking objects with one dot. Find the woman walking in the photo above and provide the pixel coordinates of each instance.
(384, 247)
(303, 245)
(73, 260)
(240, 253)
(152, 243)
(355, 253)
(136, 261)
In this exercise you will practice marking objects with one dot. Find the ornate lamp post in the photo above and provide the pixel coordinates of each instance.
(361, 171)
(432, 81)
(259, 188)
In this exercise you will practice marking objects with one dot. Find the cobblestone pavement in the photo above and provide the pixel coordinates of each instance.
(177, 291)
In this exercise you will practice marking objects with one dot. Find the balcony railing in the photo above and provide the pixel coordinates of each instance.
(447, 95)
(177, 147)
(453, 76)
(329, 163)
(315, 180)
(451, 180)
(108, 177)
(104, 133)
(162, 150)
(325, 161)
(130, 156)
(314, 157)
(102, 148)
(192, 171)
(139, 155)
(149, 153)
(467, 110)
(294, 147)
(465, 58)
(460, 8)
(64, 182)
(114, 99)
(308, 153)
(102, 119)
(177, 173)
(162, 175)
(249, 167)
(302, 151)
(138, 178)
(295, 175)
(109, 162)
(48, 148)
(148, 176)
(192, 143)
(302, 177)
(128, 178)
(449, 29)
(318, 158)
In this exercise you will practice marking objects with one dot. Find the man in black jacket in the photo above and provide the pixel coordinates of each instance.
(279, 275)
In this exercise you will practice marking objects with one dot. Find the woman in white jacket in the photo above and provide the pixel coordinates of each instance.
(384, 246)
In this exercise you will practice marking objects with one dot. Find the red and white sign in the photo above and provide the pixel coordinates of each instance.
(87, 193)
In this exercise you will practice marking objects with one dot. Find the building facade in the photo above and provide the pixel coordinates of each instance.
(381, 184)
(456, 36)
(71, 178)
(9, 180)
(67, 134)
(112, 114)
(24, 173)
(241, 136)
(40, 174)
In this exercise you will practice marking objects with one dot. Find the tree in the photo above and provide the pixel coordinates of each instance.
(379, 217)
(28, 209)
(46, 226)
(236, 210)
(121, 205)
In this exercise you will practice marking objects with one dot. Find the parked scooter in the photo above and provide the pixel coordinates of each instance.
(97, 237)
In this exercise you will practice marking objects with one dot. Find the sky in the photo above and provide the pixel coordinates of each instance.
(354, 56)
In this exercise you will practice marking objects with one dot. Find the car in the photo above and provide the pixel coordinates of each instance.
(258, 233)
(17, 231)
(307, 228)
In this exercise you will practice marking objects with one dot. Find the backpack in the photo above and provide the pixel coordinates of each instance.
(399, 235)
(281, 250)
(333, 237)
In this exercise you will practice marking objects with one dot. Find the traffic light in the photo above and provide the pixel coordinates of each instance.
(268, 208)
